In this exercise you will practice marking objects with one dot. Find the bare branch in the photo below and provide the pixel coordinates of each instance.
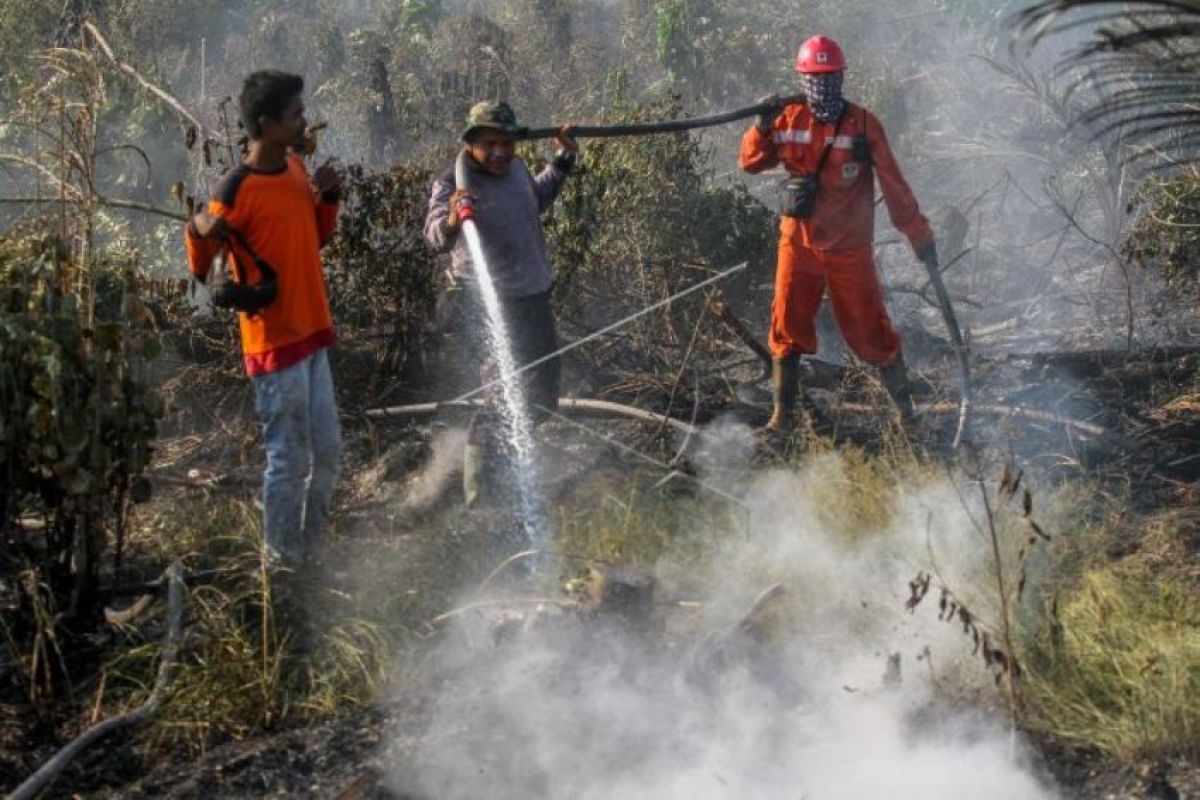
(129, 70)
(111, 202)
(133, 147)
(44, 170)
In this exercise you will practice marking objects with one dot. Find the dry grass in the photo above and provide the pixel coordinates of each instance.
(1117, 668)
(625, 522)
(1113, 654)
(855, 493)
(251, 661)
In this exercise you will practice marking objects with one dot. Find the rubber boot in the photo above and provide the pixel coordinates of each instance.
(895, 380)
(785, 388)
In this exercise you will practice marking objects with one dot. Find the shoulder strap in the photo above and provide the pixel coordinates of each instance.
(866, 141)
(829, 144)
(267, 271)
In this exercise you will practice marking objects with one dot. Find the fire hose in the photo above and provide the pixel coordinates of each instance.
(661, 126)
(956, 341)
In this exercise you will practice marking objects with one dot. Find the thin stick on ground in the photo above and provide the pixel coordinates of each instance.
(649, 459)
(38, 782)
(515, 557)
(1008, 411)
(514, 601)
(608, 329)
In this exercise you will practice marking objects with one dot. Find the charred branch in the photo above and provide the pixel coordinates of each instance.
(41, 779)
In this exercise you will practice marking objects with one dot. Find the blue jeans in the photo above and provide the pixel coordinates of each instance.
(302, 436)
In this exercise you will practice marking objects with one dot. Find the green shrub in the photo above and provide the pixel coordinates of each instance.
(1166, 236)
(77, 420)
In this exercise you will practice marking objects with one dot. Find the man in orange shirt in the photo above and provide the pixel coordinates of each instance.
(833, 151)
(267, 209)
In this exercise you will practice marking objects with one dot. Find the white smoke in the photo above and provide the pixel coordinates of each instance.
(426, 487)
(563, 709)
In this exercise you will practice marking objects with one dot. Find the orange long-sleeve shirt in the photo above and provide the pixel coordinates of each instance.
(844, 215)
(283, 221)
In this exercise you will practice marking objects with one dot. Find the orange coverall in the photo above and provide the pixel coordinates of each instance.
(833, 247)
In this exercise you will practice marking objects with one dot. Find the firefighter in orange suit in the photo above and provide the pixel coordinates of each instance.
(833, 151)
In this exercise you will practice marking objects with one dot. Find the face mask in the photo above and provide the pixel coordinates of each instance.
(824, 93)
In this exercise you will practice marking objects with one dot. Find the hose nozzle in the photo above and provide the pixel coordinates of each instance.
(466, 209)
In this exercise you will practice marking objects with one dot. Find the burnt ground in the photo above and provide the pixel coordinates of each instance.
(1142, 429)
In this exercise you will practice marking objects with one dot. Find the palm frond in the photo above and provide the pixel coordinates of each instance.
(1139, 71)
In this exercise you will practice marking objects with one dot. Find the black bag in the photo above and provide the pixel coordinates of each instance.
(798, 193)
(235, 291)
(798, 196)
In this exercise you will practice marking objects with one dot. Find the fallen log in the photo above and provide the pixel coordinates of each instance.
(576, 406)
(38, 782)
(607, 409)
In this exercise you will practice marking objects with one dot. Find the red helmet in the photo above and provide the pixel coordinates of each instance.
(820, 54)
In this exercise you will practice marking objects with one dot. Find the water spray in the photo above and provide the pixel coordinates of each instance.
(513, 411)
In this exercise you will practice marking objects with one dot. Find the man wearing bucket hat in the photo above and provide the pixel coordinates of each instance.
(505, 201)
(833, 151)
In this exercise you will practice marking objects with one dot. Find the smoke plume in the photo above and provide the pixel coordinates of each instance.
(544, 705)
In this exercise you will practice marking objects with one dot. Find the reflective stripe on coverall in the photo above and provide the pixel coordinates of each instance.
(832, 248)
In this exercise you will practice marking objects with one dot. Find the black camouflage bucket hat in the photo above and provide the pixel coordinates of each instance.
(495, 114)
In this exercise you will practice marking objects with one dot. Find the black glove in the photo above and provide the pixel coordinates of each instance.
(767, 118)
(568, 149)
(929, 256)
(564, 160)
